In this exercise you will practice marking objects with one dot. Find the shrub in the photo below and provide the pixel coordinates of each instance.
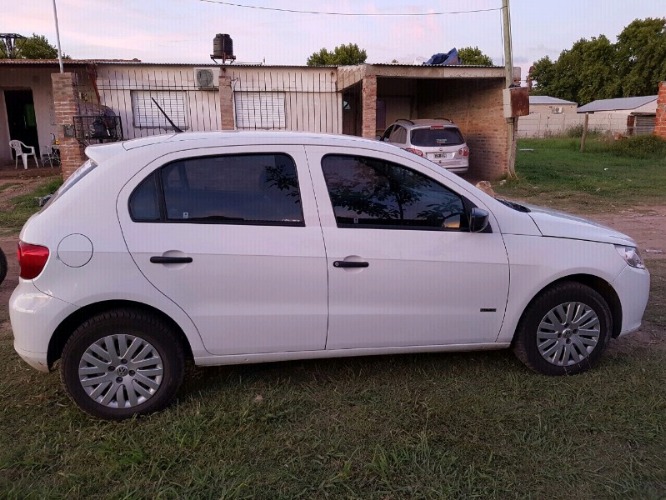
(640, 146)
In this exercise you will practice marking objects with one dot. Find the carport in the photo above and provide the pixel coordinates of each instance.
(376, 95)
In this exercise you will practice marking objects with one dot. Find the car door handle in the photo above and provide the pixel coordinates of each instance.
(159, 259)
(346, 263)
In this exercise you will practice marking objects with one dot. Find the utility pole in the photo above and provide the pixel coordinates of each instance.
(508, 69)
(55, 15)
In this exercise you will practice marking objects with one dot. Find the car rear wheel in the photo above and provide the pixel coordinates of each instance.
(3, 266)
(564, 330)
(122, 363)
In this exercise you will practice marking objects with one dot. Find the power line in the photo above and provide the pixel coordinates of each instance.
(320, 13)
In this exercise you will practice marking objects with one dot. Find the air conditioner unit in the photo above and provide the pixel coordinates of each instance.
(206, 78)
(558, 110)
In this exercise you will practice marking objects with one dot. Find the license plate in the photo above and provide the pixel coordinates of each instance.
(441, 155)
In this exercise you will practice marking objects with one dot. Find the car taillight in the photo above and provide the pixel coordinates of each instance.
(32, 259)
(463, 151)
(415, 151)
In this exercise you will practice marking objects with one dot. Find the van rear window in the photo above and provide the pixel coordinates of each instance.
(437, 137)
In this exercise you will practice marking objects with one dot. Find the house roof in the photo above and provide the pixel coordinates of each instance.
(621, 103)
(137, 62)
(544, 99)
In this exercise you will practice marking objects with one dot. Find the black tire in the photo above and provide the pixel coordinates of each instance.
(564, 331)
(3, 266)
(117, 388)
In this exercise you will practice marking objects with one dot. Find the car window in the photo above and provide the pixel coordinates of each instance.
(235, 189)
(434, 137)
(372, 193)
(387, 133)
(399, 135)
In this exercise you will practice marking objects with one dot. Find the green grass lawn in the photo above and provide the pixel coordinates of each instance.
(472, 425)
(605, 177)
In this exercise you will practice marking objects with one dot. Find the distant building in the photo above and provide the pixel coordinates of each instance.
(552, 105)
(638, 113)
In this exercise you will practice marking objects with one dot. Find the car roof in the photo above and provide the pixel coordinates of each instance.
(425, 122)
(175, 141)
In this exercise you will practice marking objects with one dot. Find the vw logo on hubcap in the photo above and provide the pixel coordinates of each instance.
(121, 371)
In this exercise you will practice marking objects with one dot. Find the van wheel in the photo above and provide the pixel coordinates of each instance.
(122, 363)
(564, 331)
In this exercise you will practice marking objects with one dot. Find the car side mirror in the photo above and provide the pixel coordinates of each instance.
(478, 220)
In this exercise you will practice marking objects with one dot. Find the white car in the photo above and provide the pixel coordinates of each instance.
(438, 140)
(232, 247)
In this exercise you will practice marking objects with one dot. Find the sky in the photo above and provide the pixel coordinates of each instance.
(182, 31)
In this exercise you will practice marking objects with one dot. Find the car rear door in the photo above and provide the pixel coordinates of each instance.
(403, 271)
(232, 237)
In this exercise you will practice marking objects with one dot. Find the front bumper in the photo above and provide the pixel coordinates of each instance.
(633, 289)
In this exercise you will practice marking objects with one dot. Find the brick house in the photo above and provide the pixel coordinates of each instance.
(357, 100)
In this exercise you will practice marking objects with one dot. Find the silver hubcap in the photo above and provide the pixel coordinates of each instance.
(568, 333)
(121, 371)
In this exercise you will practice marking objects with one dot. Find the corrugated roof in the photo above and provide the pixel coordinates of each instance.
(137, 62)
(544, 99)
(620, 103)
(66, 62)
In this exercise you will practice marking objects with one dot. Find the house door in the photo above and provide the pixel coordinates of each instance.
(21, 117)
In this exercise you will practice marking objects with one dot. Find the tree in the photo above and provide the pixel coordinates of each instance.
(343, 55)
(35, 47)
(641, 56)
(598, 69)
(542, 74)
(472, 56)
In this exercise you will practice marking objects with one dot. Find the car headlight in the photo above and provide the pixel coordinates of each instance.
(630, 256)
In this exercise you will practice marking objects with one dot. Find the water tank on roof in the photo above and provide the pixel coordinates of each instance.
(223, 47)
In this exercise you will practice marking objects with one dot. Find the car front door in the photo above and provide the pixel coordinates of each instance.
(404, 270)
(234, 240)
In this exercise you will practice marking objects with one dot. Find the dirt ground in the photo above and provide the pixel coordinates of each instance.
(646, 224)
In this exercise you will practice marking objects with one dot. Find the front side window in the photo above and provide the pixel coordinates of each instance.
(399, 135)
(234, 189)
(367, 192)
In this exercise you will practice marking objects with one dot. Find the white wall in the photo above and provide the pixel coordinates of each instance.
(311, 101)
(38, 80)
(546, 124)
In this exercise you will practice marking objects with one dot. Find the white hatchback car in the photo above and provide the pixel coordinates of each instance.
(438, 140)
(231, 247)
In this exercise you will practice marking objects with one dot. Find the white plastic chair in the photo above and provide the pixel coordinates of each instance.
(24, 152)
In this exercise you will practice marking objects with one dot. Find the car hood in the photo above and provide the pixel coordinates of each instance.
(556, 224)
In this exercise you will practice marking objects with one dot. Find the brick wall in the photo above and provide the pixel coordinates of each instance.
(660, 120)
(227, 121)
(65, 104)
(475, 105)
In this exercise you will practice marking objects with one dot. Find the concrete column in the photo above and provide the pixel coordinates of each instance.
(72, 154)
(660, 120)
(227, 121)
(369, 107)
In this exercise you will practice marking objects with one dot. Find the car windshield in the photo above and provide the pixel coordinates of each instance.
(434, 137)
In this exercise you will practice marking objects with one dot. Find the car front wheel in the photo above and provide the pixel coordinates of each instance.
(122, 363)
(564, 330)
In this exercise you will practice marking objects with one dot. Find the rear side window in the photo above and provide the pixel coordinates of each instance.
(437, 137)
(233, 189)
